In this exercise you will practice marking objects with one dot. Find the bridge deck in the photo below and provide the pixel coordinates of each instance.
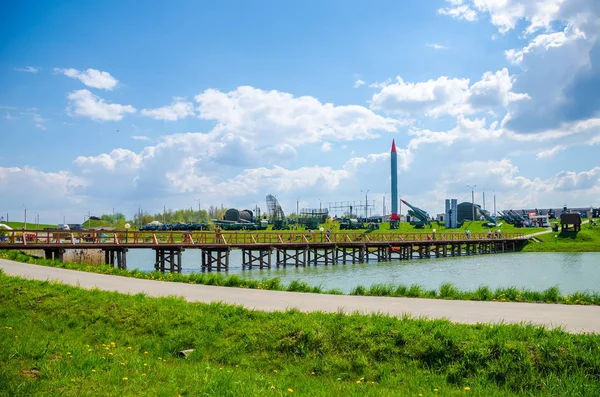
(36, 239)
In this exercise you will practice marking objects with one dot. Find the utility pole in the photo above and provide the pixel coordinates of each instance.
(25, 218)
(366, 203)
(494, 205)
(472, 198)
(383, 206)
(484, 199)
(297, 211)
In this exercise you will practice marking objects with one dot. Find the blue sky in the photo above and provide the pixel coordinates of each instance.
(113, 105)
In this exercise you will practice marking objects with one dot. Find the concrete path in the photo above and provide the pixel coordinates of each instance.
(575, 319)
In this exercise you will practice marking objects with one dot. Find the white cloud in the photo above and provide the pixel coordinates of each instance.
(570, 180)
(359, 83)
(28, 69)
(459, 12)
(123, 159)
(504, 14)
(547, 154)
(381, 85)
(177, 110)
(274, 117)
(437, 46)
(38, 189)
(444, 96)
(140, 138)
(545, 42)
(466, 129)
(84, 103)
(91, 78)
(326, 147)
(39, 121)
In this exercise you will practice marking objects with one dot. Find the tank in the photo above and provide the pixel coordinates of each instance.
(246, 215)
(232, 215)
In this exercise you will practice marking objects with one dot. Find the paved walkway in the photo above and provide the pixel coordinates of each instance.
(574, 319)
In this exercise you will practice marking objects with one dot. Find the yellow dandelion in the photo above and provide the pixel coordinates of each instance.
(357, 381)
(93, 370)
(110, 354)
(236, 365)
(272, 387)
(89, 350)
(312, 373)
(274, 371)
(160, 358)
(145, 365)
(420, 395)
(124, 379)
(467, 388)
(220, 368)
(362, 378)
(435, 390)
(68, 352)
(143, 374)
(145, 352)
(122, 363)
(129, 347)
(339, 378)
(291, 390)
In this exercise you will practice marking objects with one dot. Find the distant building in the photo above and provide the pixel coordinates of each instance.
(465, 212)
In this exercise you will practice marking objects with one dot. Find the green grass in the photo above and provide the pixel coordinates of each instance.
(446, 290)
(587, 240)
(30, 225)
(61, 340)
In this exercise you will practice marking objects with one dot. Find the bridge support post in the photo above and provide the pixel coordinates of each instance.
(116, 256)
(215, 259)
(324, 255)
(168, 259)
(56, 254)
(261, 259)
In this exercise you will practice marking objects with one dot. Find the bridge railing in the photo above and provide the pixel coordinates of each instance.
(32, 237)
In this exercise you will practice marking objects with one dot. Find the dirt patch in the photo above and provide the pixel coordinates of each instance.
(31, 373)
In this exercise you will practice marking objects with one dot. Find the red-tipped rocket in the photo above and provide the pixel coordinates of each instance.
(394, 158)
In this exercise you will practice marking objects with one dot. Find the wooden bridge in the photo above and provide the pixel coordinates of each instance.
(290, 248)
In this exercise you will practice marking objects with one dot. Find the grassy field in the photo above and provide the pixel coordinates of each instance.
(30, 226)
(587, 240)
(59, 340)
(446, 290)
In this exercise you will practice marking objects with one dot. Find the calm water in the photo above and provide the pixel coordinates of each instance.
(536, 271)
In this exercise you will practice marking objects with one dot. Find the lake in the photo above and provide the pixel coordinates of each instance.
(571, 272)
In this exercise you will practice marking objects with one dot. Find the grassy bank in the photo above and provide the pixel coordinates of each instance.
(30, 225)
(60, 340)
(446, 290)
(587, 240)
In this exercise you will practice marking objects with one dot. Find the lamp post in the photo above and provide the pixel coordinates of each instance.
(494, 205)
(25, 218)
(366, 192)
(472, 198)
(127, 226)
(297, 211)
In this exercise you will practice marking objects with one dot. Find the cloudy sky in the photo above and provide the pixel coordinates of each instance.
(115, 104)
